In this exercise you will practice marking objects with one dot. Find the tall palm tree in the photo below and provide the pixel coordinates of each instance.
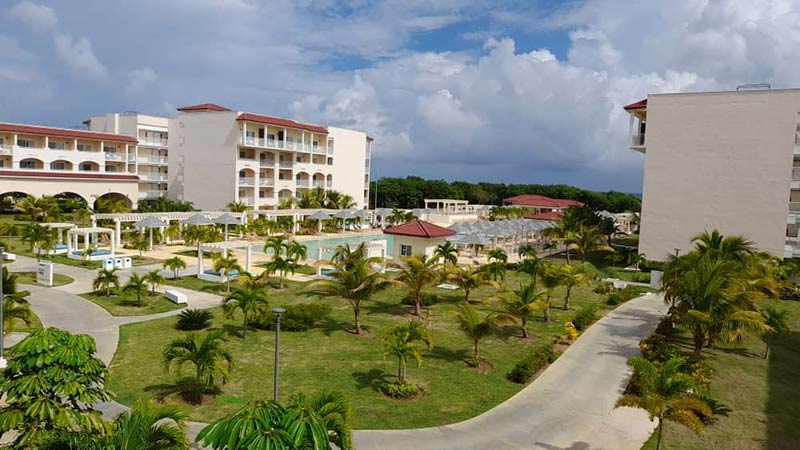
(778, 322)
(666, 393)
(498, 255)
(150, 426)
(561, 232)
(609, 228)
(225, 265)
(296, 251)
(523, 304)
(281, 265)
(106, 279)
(526, 251)
(401, 343)
(551, 277)
(237, 207)
(735, 247)
(416, 272)
(469, 279)
(155, 279)
(278, 245)
(175, 264)
(477, 327)
(572, 275)
(446, 253)
(136, 284)
(495, 270)
(248, 300)
(588, 239)
(39, 236)
(206, 352)
(530, 266)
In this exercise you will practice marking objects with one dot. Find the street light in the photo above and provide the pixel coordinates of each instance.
(3, 361)
(277, 312)
(677, 250)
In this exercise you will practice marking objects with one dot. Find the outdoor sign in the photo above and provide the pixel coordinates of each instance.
(44, 274)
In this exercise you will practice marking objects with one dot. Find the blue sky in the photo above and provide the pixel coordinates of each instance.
(502, 90)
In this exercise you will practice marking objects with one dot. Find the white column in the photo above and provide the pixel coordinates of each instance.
(75, 144)
(151, 239)
(60, 236)
(319, 258)
(94, 222)
(113, 247)
(47, 142)
(118, 231)
(199, 259)
(247, 255)
(244, 132)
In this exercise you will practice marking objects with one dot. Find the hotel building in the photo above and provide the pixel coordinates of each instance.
(719, 160)
(217, 155)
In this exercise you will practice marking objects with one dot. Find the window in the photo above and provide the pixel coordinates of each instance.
(262, 194)
(109, 149)
(57, 165)
(2, 162)
(26, 143)
(56, 145)
(110, 168)
(280, 176)
(405, 250)
(27, 164)
(299, 159)
(86, 167)
(330, 161)
(84, 147)
(251, 134)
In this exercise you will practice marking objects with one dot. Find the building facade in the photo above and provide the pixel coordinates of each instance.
(719, 160)
(37, 160)
(217, 155)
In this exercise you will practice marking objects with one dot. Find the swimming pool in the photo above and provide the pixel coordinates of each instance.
(330, 244)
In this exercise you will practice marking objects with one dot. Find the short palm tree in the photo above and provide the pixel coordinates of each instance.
(38, 208)
(206, 352)
(155, 279)
(778, 322)
(446, 253)
(139, 244)
(637, 259)
(175, 264)
(237, 207)
(39, 236)
(248, 300)
(588, 239)
(416, 272)
(551, 277)
(225, 265)
(278, 245)
(477, 327)
(572, 275)
(137, 285)
(498, 255)
(494, 270)
(524, 303)
(106, 279)
(15, 305)
(296, 251)
(734, 247)
(281, 265)
(469, 279)
(332, 408)
(401, 343)
(526, 251)
(150, 426)
(666, 393)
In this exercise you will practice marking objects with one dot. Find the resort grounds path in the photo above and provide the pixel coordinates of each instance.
(569, 407)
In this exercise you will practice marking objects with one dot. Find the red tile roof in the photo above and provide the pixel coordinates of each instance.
(641, 104)
(281, 122)
(419, 228)
(370, 138)
(84, 175)
(203, 107)
(549, 215)
(65, 133)
(540, 201)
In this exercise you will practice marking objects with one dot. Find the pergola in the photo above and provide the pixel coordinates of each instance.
(120, 218)
(377, 245)
(60, 227)
(224, 248)
(486, 232)
(446, 205)
(89, 235)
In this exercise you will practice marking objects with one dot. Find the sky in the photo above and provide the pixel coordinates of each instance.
(515, 91)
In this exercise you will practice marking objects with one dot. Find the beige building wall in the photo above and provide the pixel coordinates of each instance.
(350, 175)
(88, 188)
(425, 246)
(718, 161)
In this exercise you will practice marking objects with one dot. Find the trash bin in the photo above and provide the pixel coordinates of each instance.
(118, 263)
(655, 279)
(127, 263)
(108, 264)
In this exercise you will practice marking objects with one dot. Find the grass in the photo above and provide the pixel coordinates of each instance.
(30, 278)
(124, 305)
(16, 245)
(762, 393)
(328, 357)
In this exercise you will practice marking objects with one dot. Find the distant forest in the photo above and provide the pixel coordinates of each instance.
(410, 192)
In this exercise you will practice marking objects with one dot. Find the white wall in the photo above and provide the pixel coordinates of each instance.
(418, 245)
(89, 189)
(348, 162)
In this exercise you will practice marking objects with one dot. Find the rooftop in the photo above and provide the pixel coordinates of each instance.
(65, 133)
(250, 117)
(641, 104)
(419, 228)
(203, 107)
(549, 215)
(540, 201)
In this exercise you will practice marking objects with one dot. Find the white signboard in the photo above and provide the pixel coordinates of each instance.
(44, 274)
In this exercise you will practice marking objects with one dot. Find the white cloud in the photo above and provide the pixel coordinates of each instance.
(38, 17)
(78, 56)
(139, 80)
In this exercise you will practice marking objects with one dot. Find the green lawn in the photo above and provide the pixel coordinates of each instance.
(329, 357)
(30, 278)
(124, 305)
(763, 395)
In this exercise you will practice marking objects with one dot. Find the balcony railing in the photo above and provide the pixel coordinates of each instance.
(154, 142)
(637, 140)
(301, 183)
(153, 176)
(285, 164)
(247, 181)
(249, 201)
(796, 174)
(112, 156)
(318, 183)
(5, 149)
(266, 182)
(285, 145)
(794, 206)
(329, 183)
(151, 195)
(153, 159)
(266, 162)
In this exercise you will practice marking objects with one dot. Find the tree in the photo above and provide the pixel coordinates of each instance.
(333, 409)
(136, 284)
(469, 279)
(417, 272)
(155, 279)
(526, 251)
(15, 305)
(39, 236)
(281, 266)
(111, 206)
(401, 343)
(714, 243)
(50, 385)
(106, 279)
(249, 300)
(608, 226)
(399, 216)
(38, 209)
(296, 251)
(237, 207)
(778, 322)
(140, 244)
(278, 245)
(477, 327)
(637, 259)
(552, 277)
(523, 304)
(575, 275)
(586, 239)
(150, 426)
(175, 264)
(225, 265)
(206, 352)
(200, 234)
(666, 394)
(446, 253)
(494, 270)
(498, 255)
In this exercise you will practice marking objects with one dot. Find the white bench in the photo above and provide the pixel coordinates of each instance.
(9, 257)
(176, 297)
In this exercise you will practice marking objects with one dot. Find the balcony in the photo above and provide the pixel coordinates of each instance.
(794, 206)
(266, 162)
(247, 181)
(112, 156)
(795, 173)
(152, 195)
(285, 164)
(329, 184)
(318, 183)
(637, 140)
(297, 146)
(302, 183)
(268, 182)
(5, 150)
(248, 201)
(158, 177)
(153, 160)
(154, 142)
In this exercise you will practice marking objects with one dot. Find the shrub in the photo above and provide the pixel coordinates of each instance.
(656, 347)
(641, 277)
(194, 319)
(603, 287)
(426, 300)
(531, 363)
(400, 389)
(623, 295)
(299, 317)
(789, 291)
(665, 327)
(584, 317)
(570, 333)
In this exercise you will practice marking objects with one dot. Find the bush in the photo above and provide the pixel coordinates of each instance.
(603, 287)
(403, 390)
(299, 317)
(584, 317)
(641, 277)
(194, 319)
(623, 295)
(530, 364)
(656, 347)
(790, 291)
(666, 327)
(426, 300)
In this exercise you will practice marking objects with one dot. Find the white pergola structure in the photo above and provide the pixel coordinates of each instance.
(60, 227)
(120, 218)
(372, 249)
(89, 235)
(297, 215)
(224, 248)
(447, 205)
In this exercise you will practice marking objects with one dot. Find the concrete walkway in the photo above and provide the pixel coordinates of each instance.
(569, 407)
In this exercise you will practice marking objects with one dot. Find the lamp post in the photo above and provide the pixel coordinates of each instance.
(277, 312)
(3, 361)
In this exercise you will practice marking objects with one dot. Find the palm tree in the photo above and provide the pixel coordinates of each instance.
(446, 253)
(333, 409)
(469, 279)
(608, 226)
(498, 255)
(666, 393)
(778, 322)
(416, 272)
(296, 251)
(401, 343)
(281, 266)
(111, 206)
(15, 305)
(38, 208)
(225, 265)
(140, 244)
(586, 239)
(150, 426)
(237, 207)
(530, 266)
(551, 277)
(278, 245)
(138, 285)
(561, 232)
(399, 216)
(523, 304)
(735, 247)
(248, 300)
(477, 327)
(175, 264)
(200, 234)
(106, 279)
(637, 259)
(155, 279)
(495, 269)
(575, 275)
(39, 236)
(206, 352)
(526, 251)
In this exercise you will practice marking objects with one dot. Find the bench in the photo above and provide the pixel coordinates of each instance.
(176, 297)
(9, 257)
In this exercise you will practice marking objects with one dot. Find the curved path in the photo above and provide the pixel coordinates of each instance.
(569, 407)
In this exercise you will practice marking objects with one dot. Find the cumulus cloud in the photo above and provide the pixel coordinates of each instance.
(77, 54)
(38, 17)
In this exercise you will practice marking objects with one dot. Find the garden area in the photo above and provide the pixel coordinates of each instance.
(30, 278)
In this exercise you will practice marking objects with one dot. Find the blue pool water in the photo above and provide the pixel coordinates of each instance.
(94, 253)
(330, 244)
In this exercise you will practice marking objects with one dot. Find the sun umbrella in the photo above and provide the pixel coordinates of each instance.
(197, 219)
(227, 219)
(319, 216)
(150, 222)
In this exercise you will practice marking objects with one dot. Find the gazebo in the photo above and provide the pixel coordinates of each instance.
(150, 222)
(60, 248)
(224, 248)
(198, 220)
(89, 235)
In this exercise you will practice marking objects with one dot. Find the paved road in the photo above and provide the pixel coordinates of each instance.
(569, 407)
